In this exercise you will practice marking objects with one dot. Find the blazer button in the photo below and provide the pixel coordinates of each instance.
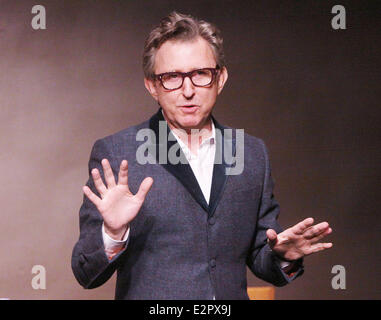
(212, 263)
(212, 221)
(82, 259)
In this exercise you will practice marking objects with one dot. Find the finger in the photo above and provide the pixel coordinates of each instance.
(109, 176)
(302, 226)
(321, 235)
(92, 196)
(145, 186)
(123, 173)
(316, 230)
(319, 247)
(272, 237)
(99, 185)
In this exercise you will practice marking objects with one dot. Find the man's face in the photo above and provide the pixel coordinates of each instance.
(188, 107)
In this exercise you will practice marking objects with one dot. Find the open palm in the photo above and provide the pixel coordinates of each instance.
(300, 240)
(117, 205)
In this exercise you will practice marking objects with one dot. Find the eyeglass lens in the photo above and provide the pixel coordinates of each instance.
(174, 80)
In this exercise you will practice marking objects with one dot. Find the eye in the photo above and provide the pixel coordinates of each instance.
(171, 76)
(202, 72)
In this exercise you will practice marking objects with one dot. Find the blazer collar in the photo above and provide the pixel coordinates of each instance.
(182, 170)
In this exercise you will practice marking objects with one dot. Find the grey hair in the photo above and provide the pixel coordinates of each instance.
(177, 26)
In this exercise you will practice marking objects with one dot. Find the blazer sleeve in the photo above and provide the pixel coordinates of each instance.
(261, 260)
(90, 264)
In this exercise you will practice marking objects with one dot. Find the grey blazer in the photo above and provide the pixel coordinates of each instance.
(180, 247)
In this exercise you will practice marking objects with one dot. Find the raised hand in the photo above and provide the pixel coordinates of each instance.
(117, 205)
(299, 240)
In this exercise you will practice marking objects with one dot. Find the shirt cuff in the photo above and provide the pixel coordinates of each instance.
(290, 268)
(284, 264)
(112, 246)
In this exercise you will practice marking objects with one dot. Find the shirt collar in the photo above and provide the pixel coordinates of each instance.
(211, 139)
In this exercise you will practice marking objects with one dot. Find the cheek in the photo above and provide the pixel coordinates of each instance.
(167, 100)
(209, 99)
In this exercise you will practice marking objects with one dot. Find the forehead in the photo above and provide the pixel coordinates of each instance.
(177, 55)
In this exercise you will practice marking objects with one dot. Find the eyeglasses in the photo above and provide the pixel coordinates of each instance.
(200, 78)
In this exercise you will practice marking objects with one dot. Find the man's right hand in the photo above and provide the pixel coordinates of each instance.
(117, 205)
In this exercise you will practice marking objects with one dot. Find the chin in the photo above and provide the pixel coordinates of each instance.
(189, 126)
(190, 123)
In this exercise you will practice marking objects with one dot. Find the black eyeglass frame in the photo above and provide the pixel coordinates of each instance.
(214, 72)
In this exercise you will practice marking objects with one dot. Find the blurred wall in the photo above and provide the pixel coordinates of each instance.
(311, 92)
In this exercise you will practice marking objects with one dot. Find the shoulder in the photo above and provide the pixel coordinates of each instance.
(120, 142)
(251, 143)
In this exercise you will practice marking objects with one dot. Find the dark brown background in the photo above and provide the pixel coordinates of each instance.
(312, 93)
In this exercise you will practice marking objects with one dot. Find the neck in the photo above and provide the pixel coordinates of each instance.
(192, 137)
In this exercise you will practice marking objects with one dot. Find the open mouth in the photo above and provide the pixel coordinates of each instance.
(189, 108)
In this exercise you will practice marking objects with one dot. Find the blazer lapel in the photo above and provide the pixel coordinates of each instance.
(182, 171)
(225, 145)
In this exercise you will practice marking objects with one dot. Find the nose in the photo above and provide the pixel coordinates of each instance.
(188, 88)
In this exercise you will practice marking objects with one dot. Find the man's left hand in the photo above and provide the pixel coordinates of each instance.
(300, 240)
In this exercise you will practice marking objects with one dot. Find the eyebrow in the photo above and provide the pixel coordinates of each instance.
(187, 71)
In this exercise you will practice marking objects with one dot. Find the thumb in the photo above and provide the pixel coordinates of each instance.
(145, 186)
(272, 237)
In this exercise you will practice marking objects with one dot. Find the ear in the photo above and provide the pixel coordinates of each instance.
(150, 86)
(222, 78)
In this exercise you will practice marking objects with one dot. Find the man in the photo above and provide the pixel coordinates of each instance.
(185, 230)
